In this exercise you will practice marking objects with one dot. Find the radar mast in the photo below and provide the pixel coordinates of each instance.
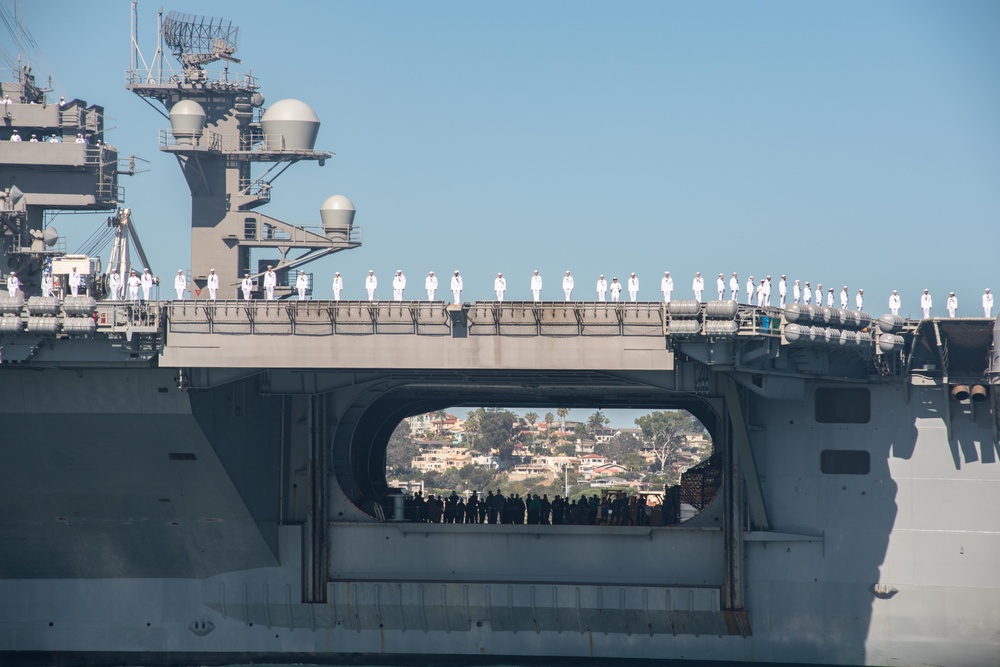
(219, 129)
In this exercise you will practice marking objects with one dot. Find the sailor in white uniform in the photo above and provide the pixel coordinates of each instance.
(500, 286)
(987, 303)
(80, 139)
(302, 285)
(667, 286)
(180, 284)
(751, 288)
(844, 297)
(760, 294)
(616, 289)
(894, 303)
(536, 286)
(213, 285)
(767, 291)
(15, 136)
(859, 299)
(797, 291)
(456, 288)
(633, 288)
(270, 282)
(338, 286)
(952, 304)
(734, 287)
(720, 287)
(13, 284)
(782, 291)
(698, 285)
(74, 281)
(602, 288)
(146, 282)
(114, 285)
(567, 286)
(47, 283)
(246, 286)
(431, 285)
(398, 285)
(807, 294)
(371, 284)
(819, 294)
(134, 283)
(829, 298)
(925, 303)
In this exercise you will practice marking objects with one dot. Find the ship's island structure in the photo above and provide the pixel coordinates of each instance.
(179, 489)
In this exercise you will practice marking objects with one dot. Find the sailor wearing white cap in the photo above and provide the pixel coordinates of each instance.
(302, 284)
(456, 288)
(74, 281)
(782, 291)
(760, 293)
(180, 284)
(567, 286)
(536, 286)
(602, 288)
(894, 303)
(80, 139)
(270, 282)
(213, 284)
(734, 287)
(500, 286)
(952, 304)
(807, 294)
(844, 297)
(666, 286)
(398, 285)
(338, 286)
(797, 291)
(859, 299)
(819, 294)
(133, 283)
(987, 303)
(616, 289)
(697, 285)
(34, 139)
(633, 287)
(16, 136)
(720, 286)
(925, 303)
(114, 285)
(13, 284)
(371, 284)
(829, 298)
(146, 281)
(431, 285)
(751, 288)
(767, 291)
(47, 283)
(246, 285)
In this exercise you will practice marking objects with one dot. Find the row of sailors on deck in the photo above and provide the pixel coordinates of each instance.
(51, 139)
(758, 294)
(762, 291)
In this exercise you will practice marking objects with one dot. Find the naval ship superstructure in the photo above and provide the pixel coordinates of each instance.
(203, 482)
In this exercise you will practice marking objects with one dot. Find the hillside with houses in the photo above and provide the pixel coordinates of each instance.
(442, 452)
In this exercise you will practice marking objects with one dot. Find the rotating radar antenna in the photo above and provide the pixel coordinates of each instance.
(198, 40)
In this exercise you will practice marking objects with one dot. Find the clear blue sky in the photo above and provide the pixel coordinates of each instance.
(848, 143)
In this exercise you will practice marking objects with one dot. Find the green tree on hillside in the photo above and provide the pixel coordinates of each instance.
(661, 432)
(400, 451)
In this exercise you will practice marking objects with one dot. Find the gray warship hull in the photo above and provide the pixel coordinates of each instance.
(169, 500)
(205, 481)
